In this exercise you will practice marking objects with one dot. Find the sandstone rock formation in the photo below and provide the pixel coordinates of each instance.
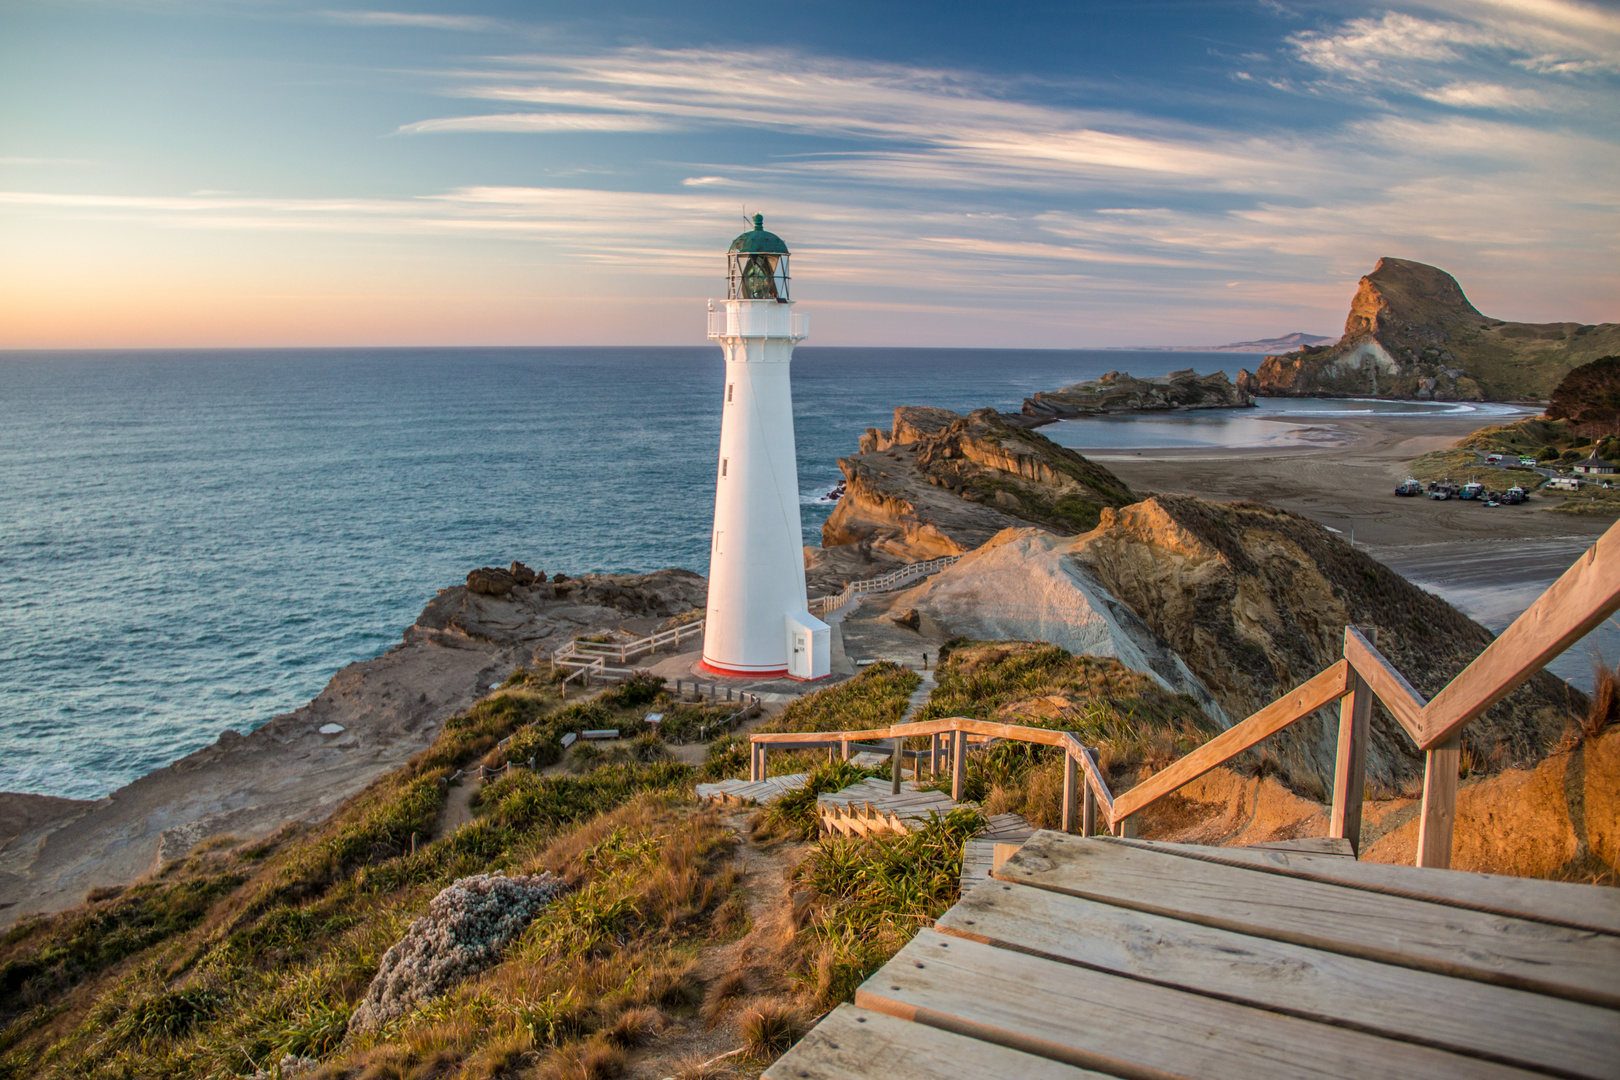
(1120, 393)
(939, 483)
(1255, 601)
(1412, 333)
(1026, 585)
(490, 581)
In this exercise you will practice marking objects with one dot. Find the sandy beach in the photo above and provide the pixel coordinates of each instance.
(1344, 477)
(1491, 563)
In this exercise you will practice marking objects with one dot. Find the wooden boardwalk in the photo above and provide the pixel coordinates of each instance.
(1113, 957)
(979, 854)
(751, 793)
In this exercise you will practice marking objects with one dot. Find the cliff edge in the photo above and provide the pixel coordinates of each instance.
(938, 483)
(1412, 333)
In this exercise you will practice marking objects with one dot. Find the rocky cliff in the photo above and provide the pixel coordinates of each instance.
(1118, 392)
(1255, 601)
(938, 483)
(1412, 333)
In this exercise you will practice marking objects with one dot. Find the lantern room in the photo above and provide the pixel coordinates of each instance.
(757, 266)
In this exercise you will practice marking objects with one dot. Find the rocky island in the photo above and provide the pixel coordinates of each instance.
(1118, 392)
(1412, 333)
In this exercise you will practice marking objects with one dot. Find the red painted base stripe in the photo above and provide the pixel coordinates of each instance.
(737, 673)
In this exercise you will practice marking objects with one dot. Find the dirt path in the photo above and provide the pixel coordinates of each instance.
(752, 967)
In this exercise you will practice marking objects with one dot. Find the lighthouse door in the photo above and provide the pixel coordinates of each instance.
(799, 662)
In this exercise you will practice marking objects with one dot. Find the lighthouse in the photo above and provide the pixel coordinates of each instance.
(758, 622)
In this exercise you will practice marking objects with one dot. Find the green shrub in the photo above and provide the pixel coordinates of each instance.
(877, 892)
(167, 1015)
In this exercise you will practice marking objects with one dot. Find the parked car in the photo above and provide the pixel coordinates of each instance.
(1527, 460)
(1493, 459)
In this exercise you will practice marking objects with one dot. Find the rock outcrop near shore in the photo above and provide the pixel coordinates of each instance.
(1412, 333)
(1026, 585)
(938, 483)
(1118, 392)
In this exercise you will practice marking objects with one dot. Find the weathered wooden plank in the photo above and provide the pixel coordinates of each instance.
(1466, 1017)
(1336, 846)
(1404, 703)
(1302, 701)
(1350, 762)
(1581, 907)
(1125, 1027)
(1439, 818)
(1578, 602)
(1557, 960)
(857, 1044)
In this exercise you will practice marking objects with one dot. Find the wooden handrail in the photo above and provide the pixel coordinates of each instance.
(968, 726)
(1404, 703)
(1328, 686)
(1575, 605)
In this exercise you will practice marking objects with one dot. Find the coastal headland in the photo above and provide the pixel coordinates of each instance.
(936, 483)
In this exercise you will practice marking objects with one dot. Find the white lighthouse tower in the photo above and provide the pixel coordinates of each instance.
(758, 621)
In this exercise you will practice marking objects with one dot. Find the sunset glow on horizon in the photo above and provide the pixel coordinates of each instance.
(254, 174)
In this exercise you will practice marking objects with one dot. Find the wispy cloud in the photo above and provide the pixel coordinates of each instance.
(406, 18)
(540, 123)
(1455, 139)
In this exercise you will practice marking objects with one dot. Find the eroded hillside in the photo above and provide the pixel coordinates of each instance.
(939, 483)
(1255, 601)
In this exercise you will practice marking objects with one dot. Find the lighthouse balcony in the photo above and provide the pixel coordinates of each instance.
(757, 318)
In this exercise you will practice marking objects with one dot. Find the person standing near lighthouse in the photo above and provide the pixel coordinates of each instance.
(758, 622)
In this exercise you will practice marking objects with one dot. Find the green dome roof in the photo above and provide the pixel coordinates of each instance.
(758, 241)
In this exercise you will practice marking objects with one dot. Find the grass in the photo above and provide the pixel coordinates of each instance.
(1588, 502)
(874, 893)
(1461, 466)
(1134, 724)
(233, 958)
(237, 957)
(794, 813)
(875, 698)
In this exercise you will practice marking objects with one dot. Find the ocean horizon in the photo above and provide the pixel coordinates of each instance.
(197, 540)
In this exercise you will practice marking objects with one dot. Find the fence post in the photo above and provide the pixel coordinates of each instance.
(958, 765)
(1127, 829)
(844, 745)
(1088, 813)
(1071, 769)
(1350, 768)
(896, 756)
(933, 756)
(764, 765)
(1439, 803)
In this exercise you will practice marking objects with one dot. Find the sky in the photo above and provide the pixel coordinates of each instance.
(197, 173)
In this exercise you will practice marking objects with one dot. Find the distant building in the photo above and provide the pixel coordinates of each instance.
(1594, 466)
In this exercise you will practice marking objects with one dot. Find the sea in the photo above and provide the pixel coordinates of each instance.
(194, 541)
